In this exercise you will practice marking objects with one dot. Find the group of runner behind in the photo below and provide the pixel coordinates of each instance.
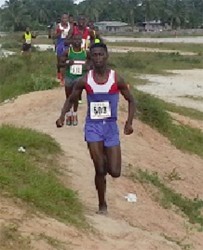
(65, 32)
(73, 41)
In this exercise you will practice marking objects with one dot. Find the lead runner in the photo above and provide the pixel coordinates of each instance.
(101, 131)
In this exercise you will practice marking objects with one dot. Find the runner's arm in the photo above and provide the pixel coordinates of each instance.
(63, 59)
(124, 90)
(57, 32)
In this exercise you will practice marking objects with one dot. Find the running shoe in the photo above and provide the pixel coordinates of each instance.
(68, 120)
(74, 120)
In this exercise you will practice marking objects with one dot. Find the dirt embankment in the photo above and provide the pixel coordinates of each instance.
(144, 225)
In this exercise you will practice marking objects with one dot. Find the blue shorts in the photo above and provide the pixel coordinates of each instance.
(60, 49)
(106, 131)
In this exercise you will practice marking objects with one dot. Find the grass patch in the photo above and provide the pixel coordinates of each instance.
(168, 197)
(154, 63)
(22, 74)
(153, 111)
(183, 137)
(22, 177)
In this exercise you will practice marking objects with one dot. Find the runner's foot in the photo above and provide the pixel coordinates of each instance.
(69, 120)
(74, 120)
(102, 209)
(59, 76)
(62, 82)
(80, 101)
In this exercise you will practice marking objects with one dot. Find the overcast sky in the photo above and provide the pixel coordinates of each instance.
(3, 1)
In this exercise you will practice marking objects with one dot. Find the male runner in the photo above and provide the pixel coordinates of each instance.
(101, 131)
(75, 60)
(82, 29)
(62, 32)
(95, 36)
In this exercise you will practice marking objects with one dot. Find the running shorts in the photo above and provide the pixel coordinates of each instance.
(106, 131)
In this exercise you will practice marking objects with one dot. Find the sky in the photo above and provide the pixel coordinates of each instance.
(3, 1)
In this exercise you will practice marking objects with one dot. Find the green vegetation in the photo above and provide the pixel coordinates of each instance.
(183, 137)
(22, 177)
(154, 111)
(154, 63)
(22, 74)
(17, 14)
(169, 198)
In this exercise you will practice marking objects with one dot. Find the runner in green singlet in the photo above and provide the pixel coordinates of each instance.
(75, 60)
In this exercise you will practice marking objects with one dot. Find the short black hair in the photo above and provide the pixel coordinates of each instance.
(99, 45)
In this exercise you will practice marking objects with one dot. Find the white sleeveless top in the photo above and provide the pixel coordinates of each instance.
(65, 31)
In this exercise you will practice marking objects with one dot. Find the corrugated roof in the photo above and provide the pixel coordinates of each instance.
(111, 23)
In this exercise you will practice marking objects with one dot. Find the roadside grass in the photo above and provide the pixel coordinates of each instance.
(183, 137)
(169, 198)
(23, 74)
(153, 111)
(154, 63)
(31, 176)
(184, 47)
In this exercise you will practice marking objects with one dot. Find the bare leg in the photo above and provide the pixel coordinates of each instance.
(97, 152)
(114, 160)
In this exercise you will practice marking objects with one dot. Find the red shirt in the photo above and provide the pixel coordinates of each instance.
(84, 34)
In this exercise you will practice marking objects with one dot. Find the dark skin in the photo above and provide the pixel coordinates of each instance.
(105, 159)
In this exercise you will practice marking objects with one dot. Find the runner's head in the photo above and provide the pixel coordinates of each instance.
(27, 29)
(91, 25)
(81, 21)
(64, 18)
(76, 41)
(99, 55)
(71, 19)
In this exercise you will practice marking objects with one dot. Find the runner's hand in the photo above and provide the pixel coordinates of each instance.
(60, 122)
(128, 130)
(70, 62)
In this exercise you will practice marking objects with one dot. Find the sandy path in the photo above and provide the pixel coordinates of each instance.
(141, 226)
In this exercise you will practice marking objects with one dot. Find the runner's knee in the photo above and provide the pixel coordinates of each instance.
(115, 173)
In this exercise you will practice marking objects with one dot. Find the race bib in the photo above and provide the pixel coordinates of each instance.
(76, 69)
(100, 110)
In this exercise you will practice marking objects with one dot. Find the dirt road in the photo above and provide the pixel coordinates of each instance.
(144, 225)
